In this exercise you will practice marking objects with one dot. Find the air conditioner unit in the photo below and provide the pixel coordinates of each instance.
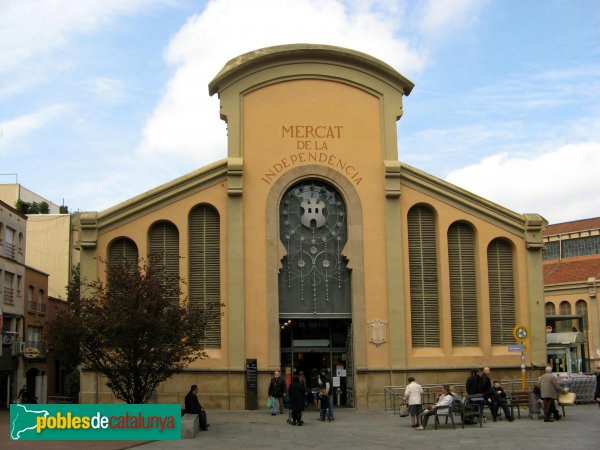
(8, 337)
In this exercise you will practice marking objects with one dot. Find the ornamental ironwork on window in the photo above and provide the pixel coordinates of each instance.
(314, 278)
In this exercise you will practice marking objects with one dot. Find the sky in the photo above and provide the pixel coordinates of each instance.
(102, 100)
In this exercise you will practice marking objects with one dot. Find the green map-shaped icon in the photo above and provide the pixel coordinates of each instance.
(24, 419)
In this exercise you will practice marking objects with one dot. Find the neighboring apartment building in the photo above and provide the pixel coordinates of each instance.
(10, 193)
(35, 368)
(13, 231)
(571, 281)
(51, 248)
(51, 239)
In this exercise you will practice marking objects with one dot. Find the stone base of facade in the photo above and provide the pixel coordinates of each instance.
(225, 391)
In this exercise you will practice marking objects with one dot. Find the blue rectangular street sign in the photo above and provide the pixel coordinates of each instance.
(515, 348)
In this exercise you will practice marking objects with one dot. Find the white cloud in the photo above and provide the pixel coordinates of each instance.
(35, 33)
(20, 127)
(30, 28)
(186, 121)
(438, 16)
(560, 185)
(109, 90)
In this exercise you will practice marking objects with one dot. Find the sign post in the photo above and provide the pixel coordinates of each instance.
(521, 333)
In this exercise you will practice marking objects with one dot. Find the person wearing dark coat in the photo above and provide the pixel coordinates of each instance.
(297, 394)
(473, 383)
(193, 406)
(276, 392)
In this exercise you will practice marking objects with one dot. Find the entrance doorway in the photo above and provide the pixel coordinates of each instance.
(312, 346)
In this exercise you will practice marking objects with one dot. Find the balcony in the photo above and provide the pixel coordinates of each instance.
(9, 250)
(41, 309)
(8, 295)
(31, 306)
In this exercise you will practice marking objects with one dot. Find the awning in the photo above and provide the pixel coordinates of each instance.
(570, 337)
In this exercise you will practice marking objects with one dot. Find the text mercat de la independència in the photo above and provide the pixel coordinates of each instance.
(313, 151)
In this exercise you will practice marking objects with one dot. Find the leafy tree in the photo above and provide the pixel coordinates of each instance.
(32, 208)
(22, 207)
(131, 330)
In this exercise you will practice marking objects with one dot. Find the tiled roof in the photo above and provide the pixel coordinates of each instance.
(571, 269)
(570, 227)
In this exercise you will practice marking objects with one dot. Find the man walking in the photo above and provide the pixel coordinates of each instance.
(276, 392)
(549, 388)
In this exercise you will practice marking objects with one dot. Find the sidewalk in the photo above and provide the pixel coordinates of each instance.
(353, 429)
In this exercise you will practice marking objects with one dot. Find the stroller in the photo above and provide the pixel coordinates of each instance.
(535, 404)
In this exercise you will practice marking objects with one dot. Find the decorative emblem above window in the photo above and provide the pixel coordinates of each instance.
(314, 277)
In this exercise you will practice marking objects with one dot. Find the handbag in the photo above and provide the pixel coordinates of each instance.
(566, 398)
(403, 410)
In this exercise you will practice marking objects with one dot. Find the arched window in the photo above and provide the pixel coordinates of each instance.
(565, 310)
(424, 299)
(205, 269)
(314, 279)
(123, 251)
(463, 284)
(549, 309)
(163, 249)
(502, 291)
(581, 310)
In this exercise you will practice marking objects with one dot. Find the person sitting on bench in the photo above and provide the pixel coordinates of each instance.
(193, 406)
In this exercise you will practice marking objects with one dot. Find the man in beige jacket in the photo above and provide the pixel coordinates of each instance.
(549, 388)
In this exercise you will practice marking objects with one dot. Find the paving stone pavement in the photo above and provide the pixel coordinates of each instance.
(357, 429)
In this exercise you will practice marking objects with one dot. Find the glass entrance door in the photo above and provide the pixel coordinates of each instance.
(311, 346)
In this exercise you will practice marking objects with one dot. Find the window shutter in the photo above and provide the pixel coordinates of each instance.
(422, 253)
(205, 269)
(463, 285)
(163, 241)
(502, 292)
(123, 251)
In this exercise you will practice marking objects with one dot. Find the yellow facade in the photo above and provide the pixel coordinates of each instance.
(324, 114)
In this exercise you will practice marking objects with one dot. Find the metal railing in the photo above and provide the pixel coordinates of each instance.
(9, 250)
(8, 295)
(582, 385)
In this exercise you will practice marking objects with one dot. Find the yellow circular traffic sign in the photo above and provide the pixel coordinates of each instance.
(521, 332)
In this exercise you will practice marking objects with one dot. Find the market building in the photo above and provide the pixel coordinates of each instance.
(571, 281)
(322, 250)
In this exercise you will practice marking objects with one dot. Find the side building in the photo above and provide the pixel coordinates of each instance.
(325, 250)
(571, 282)
(13, 232)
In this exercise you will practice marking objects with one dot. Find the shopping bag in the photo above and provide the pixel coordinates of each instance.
(403, 410)
(566, 398)
(269, 402)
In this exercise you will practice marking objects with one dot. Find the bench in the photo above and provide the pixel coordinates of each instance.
(517, 399)
(190, 424)
(464, 410)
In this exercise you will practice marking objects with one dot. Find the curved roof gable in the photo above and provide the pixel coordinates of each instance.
(286, 54)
